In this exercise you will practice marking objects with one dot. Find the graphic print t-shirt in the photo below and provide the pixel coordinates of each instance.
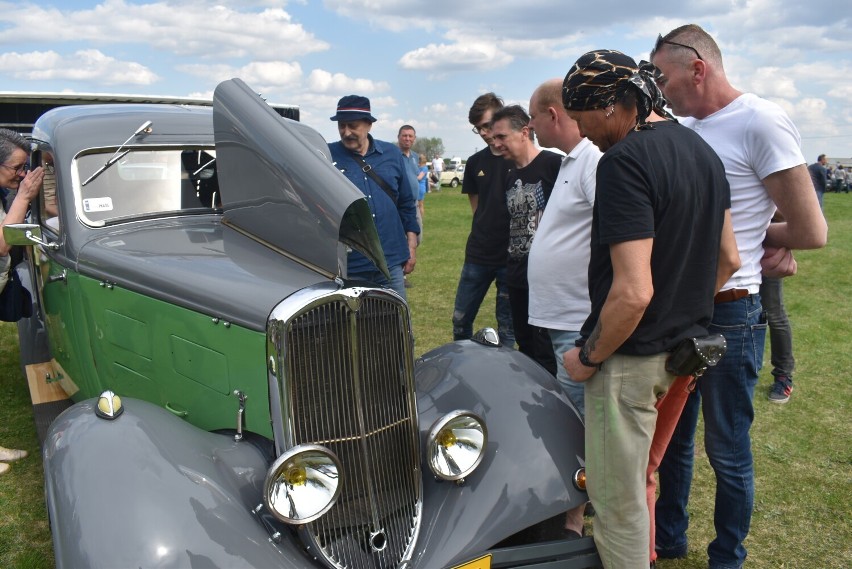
(526, 196)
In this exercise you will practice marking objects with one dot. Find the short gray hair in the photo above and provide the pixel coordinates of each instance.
(10, 141)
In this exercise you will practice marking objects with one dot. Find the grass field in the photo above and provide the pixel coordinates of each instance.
(803, 450)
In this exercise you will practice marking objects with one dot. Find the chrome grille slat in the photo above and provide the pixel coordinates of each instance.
(346, 382)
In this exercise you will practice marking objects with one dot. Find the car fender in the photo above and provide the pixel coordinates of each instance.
(147, 489)
(535, 445)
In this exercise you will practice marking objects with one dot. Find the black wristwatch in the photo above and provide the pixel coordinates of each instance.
(584, 359)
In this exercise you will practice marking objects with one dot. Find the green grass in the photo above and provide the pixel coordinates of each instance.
(803, 455)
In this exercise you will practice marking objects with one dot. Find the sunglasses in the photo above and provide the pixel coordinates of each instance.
(661, 41)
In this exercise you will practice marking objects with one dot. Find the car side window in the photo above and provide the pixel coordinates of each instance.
(145, 183)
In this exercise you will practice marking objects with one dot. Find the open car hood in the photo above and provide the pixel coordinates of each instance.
(280, 187)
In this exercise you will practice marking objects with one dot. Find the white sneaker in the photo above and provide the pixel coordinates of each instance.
(11, 455)
(4, 468)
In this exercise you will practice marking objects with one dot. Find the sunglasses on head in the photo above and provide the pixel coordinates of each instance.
(661, 41)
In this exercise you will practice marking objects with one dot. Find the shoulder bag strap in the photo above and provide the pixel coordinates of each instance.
(367, 169)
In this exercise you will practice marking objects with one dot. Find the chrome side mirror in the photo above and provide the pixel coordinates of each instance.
(25, 234)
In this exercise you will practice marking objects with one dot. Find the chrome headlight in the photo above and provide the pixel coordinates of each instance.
(457, 444)
(302, 484)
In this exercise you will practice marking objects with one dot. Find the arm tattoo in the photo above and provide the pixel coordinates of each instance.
(592, 341)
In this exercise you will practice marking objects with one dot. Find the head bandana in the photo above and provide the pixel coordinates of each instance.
(600, 78)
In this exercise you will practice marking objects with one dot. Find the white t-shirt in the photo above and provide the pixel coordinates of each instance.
(754, 138)
(558, 271)
(437, 166)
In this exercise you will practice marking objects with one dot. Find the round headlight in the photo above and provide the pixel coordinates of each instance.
(302, 484)
(109, 405)
(457, 444)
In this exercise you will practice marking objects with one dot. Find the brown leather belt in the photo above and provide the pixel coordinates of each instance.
(730, 295)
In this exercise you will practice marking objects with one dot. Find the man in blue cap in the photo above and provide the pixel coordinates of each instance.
(378, 169)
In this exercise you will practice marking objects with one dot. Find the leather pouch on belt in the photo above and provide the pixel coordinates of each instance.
(694, 355)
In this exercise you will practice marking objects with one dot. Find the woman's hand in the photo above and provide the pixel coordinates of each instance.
(30, 186)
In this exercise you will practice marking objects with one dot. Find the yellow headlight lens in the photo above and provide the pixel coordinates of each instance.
(457, 444)
(302, 484)
(108, 405)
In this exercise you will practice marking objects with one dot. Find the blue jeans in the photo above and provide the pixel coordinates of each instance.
(473, 286)
(396, 282)
(563, 341)
(780, 332)
(725, 395)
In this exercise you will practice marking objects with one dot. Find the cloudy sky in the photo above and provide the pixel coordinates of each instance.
(421, 63)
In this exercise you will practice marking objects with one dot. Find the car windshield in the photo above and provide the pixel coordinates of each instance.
(146, 183)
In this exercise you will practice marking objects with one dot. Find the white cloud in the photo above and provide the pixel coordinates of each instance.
(321, 81)
(456, 57)
(771, 82)
(264, 76)
(841, 92)
(88, 65)
(813, 117)
(273, 73)
(211, 73)
(184, 28)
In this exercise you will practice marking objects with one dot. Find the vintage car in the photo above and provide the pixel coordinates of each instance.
(238, 402)
(453, 175)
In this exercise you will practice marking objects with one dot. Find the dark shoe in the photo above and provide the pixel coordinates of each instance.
(781, 389)
(571, 534)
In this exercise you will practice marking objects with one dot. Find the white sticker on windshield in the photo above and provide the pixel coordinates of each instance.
(97, 204)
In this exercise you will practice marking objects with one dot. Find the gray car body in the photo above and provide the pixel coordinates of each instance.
(151, 490)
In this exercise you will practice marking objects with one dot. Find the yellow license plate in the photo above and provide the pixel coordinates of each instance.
(483, 562)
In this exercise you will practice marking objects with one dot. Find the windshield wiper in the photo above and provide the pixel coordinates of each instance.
(118, 154)
(201, 169)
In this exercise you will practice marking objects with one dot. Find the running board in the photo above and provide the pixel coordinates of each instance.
(47, 395)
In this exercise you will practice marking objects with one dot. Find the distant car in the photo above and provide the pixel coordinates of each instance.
(453, 175)
(239, 402)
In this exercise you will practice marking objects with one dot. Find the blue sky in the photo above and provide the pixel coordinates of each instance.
(420, 63)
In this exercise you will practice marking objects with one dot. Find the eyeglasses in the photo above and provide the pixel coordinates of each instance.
(480, 127)
(22, 169)
(661, 41)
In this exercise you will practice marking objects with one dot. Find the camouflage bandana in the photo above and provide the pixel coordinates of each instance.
(650, 97)
(600, 78)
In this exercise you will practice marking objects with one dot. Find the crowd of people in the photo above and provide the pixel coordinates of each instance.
(603, 265)
(623, 201)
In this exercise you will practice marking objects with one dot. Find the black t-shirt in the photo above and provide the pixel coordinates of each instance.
(527, 192)
(485, 176)
(669, 185)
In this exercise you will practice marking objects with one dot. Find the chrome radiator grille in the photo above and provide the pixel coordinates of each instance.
(347, 384)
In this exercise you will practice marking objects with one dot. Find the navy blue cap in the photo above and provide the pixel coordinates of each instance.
(353, 108)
